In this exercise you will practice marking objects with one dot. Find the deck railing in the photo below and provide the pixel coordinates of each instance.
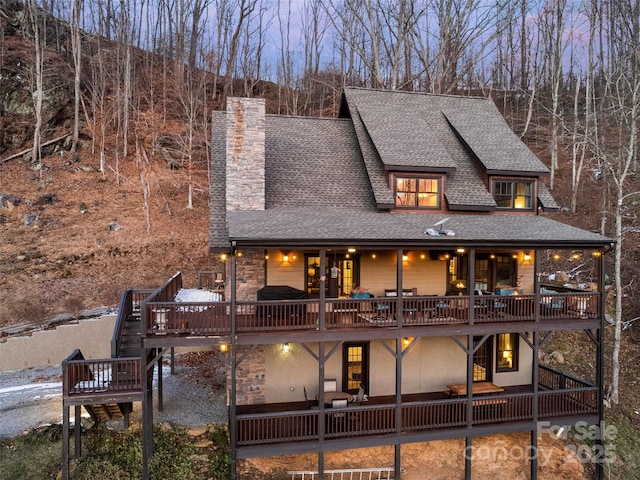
(214, 318)
(354, 421)
(130, 304)
(108, 376)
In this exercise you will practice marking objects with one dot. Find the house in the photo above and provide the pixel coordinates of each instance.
(384, 281)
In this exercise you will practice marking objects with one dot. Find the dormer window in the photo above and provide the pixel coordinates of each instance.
(513, 194)
(417, 191)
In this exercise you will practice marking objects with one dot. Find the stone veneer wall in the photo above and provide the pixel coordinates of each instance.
(250, 277)
(245, 154)
(250, 380)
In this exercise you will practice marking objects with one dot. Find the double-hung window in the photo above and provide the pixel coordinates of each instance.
(514, 194)
(507, 352)
(417, 191)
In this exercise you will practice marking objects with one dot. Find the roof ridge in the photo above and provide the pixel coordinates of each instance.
(448, 95)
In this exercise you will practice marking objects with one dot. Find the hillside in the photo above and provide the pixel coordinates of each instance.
(71, 236)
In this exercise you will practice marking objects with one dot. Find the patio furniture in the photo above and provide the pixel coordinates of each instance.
(329, 397)
(477, 388)
(330, 385)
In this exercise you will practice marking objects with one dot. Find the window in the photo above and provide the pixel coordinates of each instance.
(507, 352)
(417, 192)
(513, 194)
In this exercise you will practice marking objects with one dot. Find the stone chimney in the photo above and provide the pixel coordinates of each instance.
(245, 154)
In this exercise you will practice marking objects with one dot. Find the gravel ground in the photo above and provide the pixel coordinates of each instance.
(193, 396)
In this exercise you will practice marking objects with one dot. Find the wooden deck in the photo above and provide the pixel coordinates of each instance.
(293, 422)
(214, 319)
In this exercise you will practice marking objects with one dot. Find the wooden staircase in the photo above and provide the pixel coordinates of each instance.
(110, 411)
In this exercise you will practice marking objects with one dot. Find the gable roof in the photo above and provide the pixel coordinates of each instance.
(466, 137)
(326, 179)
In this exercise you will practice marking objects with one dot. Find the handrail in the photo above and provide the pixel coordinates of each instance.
(380, 419)
(214, 318)
(130, 303)
(96, 376)
(556, 380)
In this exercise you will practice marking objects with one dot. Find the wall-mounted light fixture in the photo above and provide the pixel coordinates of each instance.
(223, 347)
(405, 258)
(459, 250)
(223, 257)
(351, 250)
(406, 341)
(526, 257)
(285, 256)
(596, 253)
(285, 347)
(373, 255)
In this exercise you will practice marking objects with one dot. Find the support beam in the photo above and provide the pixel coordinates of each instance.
(65, 442)
(233, 435)
(77, 420)
(534, 454)
(468, 450)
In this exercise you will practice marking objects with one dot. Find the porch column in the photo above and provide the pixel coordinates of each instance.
(322, 301)
(321, 359)
(468, 446)
(600, 440)
(147, 409)
(399, 298)
(536, 285)
(233, 365)
(536, 392)
(65, 438)
(321, 422)
(471, 285)
(398, 398)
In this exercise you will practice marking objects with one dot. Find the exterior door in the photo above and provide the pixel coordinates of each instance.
(482, 368)
(342, 273)
(355, 366)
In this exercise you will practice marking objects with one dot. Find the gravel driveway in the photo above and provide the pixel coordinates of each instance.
(32, 398)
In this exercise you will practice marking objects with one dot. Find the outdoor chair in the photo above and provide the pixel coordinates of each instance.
(330, 385)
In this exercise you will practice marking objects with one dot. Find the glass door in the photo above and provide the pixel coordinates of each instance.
(482, 360)
(342, 273)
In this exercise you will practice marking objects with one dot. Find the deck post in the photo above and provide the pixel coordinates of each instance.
(147, 412)
(600, 440)
(77, 452)
(160, 402)
(233, 435)
(468, 449)
(321, 418)
(398, 398)
(471, 284)
(65, 441)
(534, 454)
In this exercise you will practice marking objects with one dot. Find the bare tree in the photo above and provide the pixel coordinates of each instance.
(37, 92)
(77, 63)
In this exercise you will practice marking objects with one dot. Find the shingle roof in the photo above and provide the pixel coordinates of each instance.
(314, 162)
(326, 182)
(336, 226)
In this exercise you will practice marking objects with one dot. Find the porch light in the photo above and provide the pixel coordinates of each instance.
(351, 250)
(373, 255)
(422, 256)
(459, 250)
(576, 256)
(285, 257)
(406, 341)
(238, 253)
(223, 347)
(285, 347)
(596, 253)
(405, 258)
(223, 257)
(526, 257)
(556, 256)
